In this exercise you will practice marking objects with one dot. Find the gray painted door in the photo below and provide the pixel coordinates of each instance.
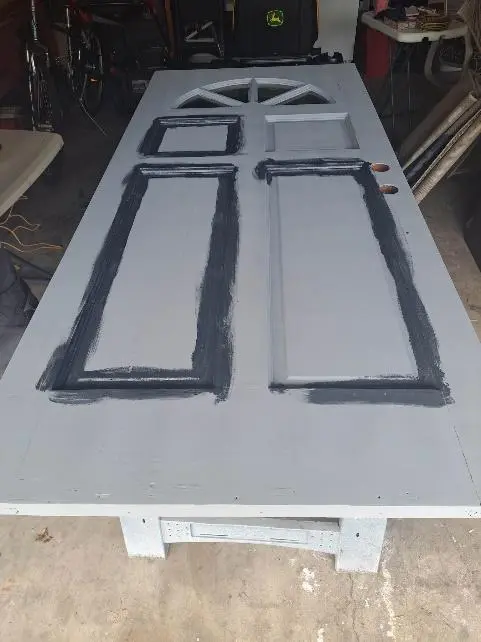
(252, 319)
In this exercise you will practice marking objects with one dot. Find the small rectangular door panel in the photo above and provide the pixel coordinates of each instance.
(191, 136)
(310, 132)
(185, 139)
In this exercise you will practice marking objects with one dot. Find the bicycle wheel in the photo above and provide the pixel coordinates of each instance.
(88, 69)
(44, 103)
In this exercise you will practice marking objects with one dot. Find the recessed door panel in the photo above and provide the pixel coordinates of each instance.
(159, 277)
(327, 248)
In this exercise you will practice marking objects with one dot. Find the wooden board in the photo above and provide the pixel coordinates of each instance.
(244, 325)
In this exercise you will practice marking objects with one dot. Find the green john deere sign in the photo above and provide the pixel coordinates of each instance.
(275, 18)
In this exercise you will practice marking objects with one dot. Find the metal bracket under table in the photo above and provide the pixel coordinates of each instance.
(355, 543)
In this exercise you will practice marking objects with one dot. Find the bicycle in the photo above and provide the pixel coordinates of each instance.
(44, 103)
(82, 65)
(128, 61)
(83, 62)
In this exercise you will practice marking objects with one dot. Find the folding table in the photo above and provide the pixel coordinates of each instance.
(406, 39)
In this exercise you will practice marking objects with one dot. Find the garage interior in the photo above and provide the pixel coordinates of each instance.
(70, 579)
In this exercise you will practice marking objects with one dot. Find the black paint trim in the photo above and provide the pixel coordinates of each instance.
(428, 387)
(212, 356)
(152, 142)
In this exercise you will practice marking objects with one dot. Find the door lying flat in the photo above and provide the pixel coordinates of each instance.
(245, 324)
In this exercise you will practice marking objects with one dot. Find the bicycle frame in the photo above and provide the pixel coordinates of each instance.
(33, 20)
(37, 56)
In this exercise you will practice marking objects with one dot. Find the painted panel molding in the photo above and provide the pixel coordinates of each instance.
(211, 370)
(426, 386)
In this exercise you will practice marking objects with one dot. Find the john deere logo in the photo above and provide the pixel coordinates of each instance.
(275, 18)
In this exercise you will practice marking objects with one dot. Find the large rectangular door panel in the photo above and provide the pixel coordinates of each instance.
(179, 276)
(165, 328)
(332, 232)
(330, 223)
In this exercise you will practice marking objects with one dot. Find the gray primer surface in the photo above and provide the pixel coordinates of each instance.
(255, 454)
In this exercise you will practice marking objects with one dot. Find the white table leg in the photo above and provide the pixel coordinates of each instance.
(143, 537)
(359, 550)
(360, 545)
(468, 50)
(428, 63)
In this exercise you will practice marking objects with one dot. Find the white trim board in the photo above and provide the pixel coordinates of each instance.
(242, 512)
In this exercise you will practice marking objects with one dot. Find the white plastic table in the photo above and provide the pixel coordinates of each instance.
(24, 156)
(406, 41)
(457, 29)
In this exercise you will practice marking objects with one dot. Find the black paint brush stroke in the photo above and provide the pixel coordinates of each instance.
(152, 142)
(428, 388)
(211, 369)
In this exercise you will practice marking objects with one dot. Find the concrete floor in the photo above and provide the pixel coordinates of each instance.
(79, 586)
(70, 579)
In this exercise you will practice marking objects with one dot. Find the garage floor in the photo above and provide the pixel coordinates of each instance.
(70, 579)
